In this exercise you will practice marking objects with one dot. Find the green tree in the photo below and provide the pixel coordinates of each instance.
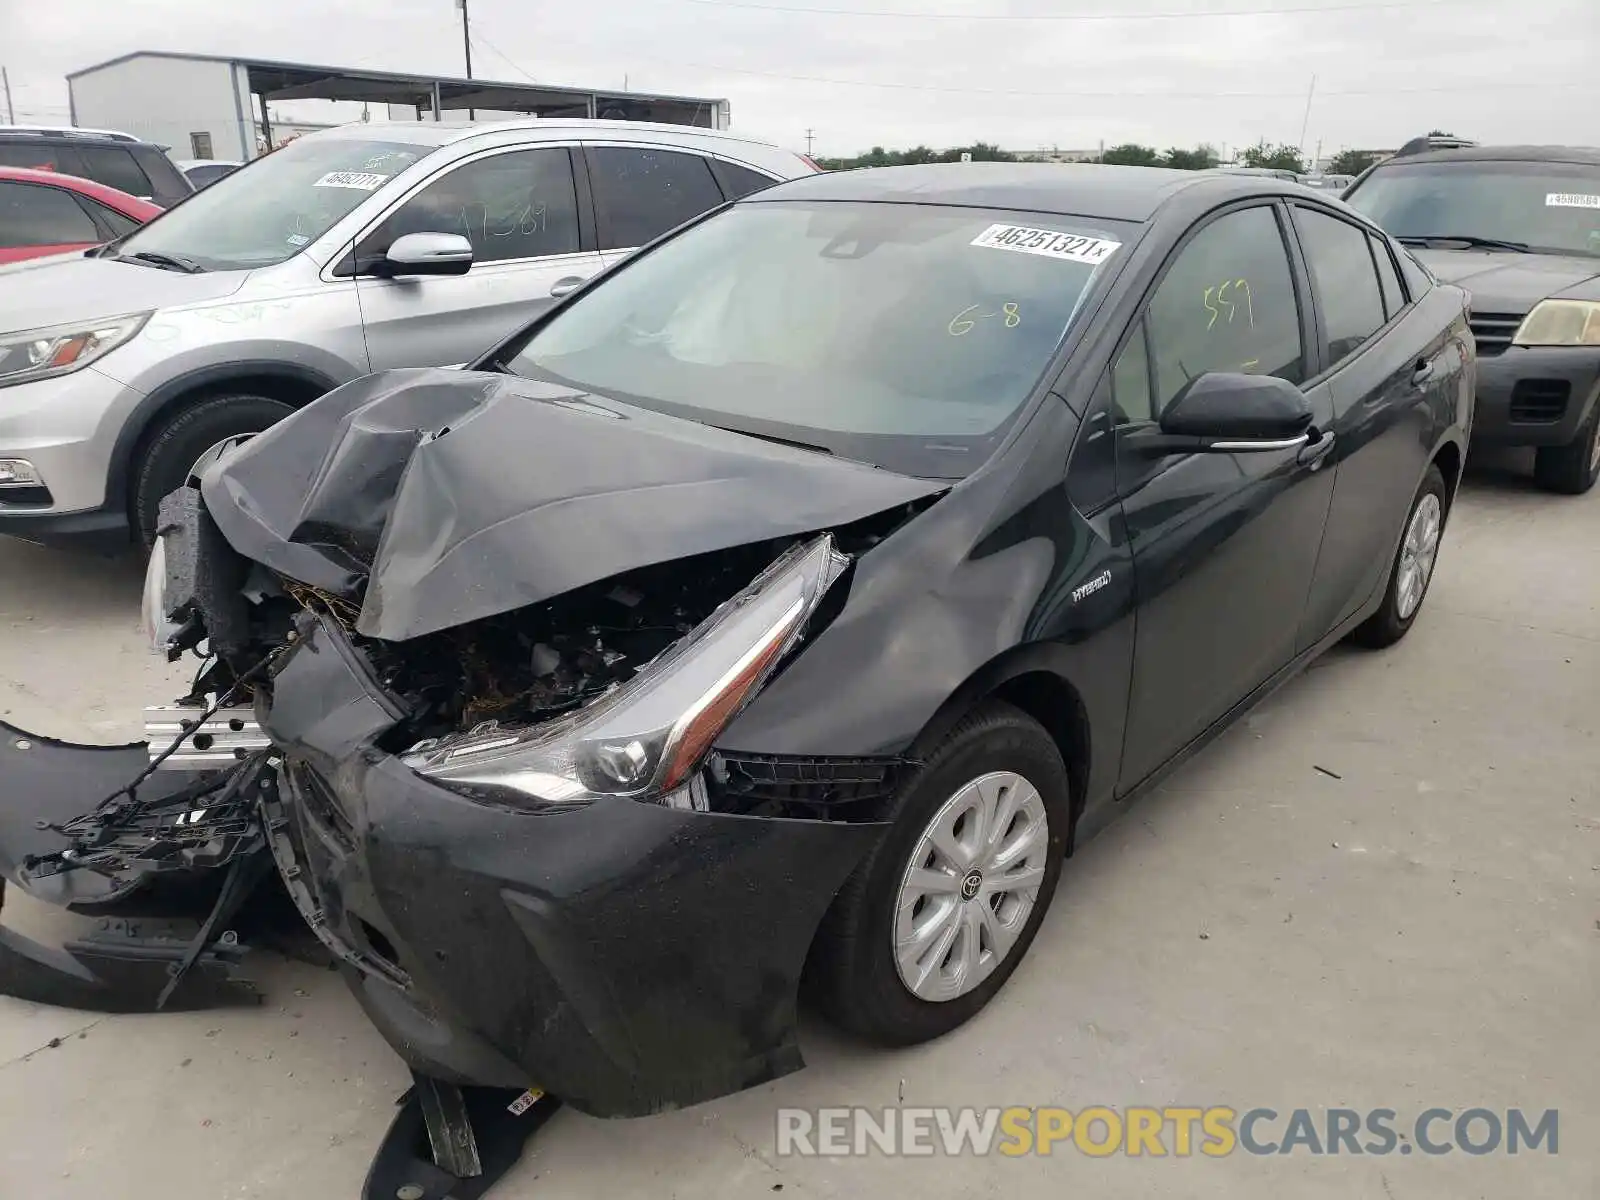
(1439, 133)
(1201, 158)
(980, 151)
(1276, 158)
(1351, 162)
(1131, 154)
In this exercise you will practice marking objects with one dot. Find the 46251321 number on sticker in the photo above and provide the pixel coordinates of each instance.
(1051, 243)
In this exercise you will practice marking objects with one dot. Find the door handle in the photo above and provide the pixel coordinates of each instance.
(1314, 452)
(1422, 373)
(566, 285)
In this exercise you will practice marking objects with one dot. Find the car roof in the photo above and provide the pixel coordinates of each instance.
(37, 134)
(438, 133)
(1587, 155)
(88, 187)
(1076, 189)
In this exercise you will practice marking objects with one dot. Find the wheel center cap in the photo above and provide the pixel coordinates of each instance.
(971, 885)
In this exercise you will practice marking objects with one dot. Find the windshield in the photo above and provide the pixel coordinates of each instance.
(268, 210)
(902, 335)
(1553, 208)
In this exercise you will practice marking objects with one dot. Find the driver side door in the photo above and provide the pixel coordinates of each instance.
(1224, 544)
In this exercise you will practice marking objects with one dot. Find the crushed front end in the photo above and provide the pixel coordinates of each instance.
(471, 718)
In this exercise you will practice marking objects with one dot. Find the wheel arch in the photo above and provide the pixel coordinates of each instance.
(290, 383)
(1034, 679)
(1451, 460)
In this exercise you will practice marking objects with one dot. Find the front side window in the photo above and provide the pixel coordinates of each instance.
(33, 215)
(271, 209)
(639, 194)
(1348, 291)
(1552, 208)
(114, 168)
(509, 206)
(1227, 303)
(904, 335)
(739, 181)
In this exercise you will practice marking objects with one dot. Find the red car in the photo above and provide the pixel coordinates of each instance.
(42, 212)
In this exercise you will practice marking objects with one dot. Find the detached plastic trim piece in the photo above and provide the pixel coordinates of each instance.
(118, 970)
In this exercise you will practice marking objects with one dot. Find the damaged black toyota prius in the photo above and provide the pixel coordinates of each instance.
(766, 619)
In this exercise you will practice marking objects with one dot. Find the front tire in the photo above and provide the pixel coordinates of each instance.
(178, 447)
(1571, 469)
(934, 921)
(1412, 569)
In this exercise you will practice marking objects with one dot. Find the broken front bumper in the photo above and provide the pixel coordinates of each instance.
(123, 965)
(624, 956)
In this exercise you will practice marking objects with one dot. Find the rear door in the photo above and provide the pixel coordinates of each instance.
(36, 219)
(1383, 358)
(532, 241)
(1224, 545)
(641, 192)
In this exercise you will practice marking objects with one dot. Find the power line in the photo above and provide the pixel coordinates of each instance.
(1119, 93)
(486, 44)
(1294, 10)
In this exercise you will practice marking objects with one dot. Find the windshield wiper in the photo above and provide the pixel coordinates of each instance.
(169, 262)
(1425, 239)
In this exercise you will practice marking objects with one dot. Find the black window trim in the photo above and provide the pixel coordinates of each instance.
(1327, 369)
(602, 220)
(342, 265)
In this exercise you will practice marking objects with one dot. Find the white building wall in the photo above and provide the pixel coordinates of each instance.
(166, 100)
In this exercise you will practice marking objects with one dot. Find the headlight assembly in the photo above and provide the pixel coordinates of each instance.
(646, 738)
(61, 349)
(1560, 323)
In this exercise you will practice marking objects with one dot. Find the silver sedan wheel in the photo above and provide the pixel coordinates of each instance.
(216, 452)
(1417, 555)
(970, 885)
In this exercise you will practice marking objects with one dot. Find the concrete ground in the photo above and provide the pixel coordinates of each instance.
(1380, 891)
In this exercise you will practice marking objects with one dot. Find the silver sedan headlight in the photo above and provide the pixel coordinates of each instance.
(62, 349)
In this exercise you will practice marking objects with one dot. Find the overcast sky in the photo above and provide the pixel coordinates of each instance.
(1495, 70)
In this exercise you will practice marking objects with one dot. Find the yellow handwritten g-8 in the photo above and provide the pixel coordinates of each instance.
(964, 320)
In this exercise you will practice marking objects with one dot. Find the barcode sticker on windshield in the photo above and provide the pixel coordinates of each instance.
(1571, 200)
(1051, 243)
(362, 181)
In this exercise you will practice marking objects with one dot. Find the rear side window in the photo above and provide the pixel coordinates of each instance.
(739, 181)
(116, 168)
(1348, 293)
(639, 193)
(33, 215)
(1394, 296)
(32, 156)
(164, 175)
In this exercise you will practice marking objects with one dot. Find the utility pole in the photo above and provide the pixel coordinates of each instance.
(1304, 125)
(466, 45)
(11, 116)
(810, 138)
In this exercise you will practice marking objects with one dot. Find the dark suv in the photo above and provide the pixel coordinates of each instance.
(118, 160)
(1519, 227)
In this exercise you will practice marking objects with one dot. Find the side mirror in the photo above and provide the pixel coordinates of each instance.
(427, 254)
(1226, 413)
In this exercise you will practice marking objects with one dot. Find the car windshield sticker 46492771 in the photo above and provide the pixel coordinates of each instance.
(1050, 243)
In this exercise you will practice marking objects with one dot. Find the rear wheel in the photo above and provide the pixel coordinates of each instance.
(1412, 570)
(936, 919)
(1571, 469)
(184, 446)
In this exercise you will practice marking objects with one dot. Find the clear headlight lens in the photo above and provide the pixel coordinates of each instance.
(1560, 323)
(61, 349)
(645, 738)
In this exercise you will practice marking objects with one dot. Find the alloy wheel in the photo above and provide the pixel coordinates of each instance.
(1418, 554)
(971, 883)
